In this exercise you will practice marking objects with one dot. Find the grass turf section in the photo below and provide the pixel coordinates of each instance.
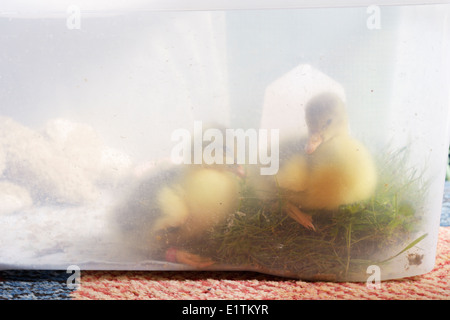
(260, 236)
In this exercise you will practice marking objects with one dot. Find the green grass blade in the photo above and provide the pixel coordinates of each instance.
(412, 244)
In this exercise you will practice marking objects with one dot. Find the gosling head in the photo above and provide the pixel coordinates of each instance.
(326, 118)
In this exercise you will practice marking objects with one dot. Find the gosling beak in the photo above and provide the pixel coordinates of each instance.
(234, 167)
(239, 170)
(314, 141)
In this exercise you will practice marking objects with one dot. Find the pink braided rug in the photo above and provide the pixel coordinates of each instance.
(114, 285)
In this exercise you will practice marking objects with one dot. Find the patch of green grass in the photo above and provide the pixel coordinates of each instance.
(260, 236)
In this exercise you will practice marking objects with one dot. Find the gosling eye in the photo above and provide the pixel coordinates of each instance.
(328, 123)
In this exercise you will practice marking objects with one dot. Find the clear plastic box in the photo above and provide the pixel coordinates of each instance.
(306, 139)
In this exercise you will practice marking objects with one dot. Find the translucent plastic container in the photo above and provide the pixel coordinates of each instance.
(306, 139)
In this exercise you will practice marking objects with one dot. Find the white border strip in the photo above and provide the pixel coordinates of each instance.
(91, 8)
